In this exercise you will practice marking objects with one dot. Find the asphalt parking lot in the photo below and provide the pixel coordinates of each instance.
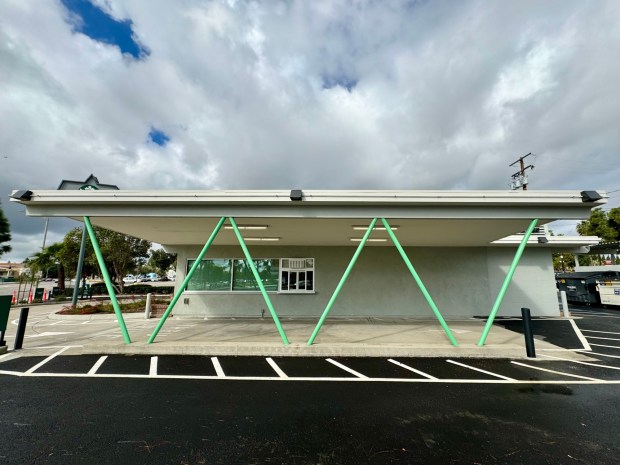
(60, 408)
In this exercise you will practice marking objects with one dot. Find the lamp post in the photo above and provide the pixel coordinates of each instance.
(562, 262)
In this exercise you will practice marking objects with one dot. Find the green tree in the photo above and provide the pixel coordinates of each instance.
(50, 257)
(161, 260)
(5, 235)
(121, 253)
(601, 224)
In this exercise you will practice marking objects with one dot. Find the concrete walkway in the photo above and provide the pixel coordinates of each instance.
(100, 334)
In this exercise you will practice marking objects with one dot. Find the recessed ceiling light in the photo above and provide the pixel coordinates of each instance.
(265, 239)
(253, 227)
(358, 239)
(376, 228)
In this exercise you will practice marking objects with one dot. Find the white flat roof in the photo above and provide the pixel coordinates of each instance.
(322, 217)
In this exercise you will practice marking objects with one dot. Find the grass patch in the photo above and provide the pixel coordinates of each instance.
(135, 306)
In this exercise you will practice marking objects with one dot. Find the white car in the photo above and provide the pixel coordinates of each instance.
(130, 279)
(153, 277)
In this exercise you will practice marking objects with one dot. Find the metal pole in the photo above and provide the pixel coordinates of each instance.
(360, 247)
(415, 275)
(565, 312)
(259, 281)
(21, 328)
(528, 333)
(147, 309)
(190, 273)
(504, 288)
(106, 279)
(78, 273)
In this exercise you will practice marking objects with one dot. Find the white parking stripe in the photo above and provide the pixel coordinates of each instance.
(480, 370)
(554, 371)
(603, 345)
(218, 367)
(43, 362)
(346, 368)
(276, 368)
(97, 365)
(582, 363)
(5, 355)
(605, 338)
(153, 368)
(603, 332)
(407, 367)
(582, 339)
(603, 355)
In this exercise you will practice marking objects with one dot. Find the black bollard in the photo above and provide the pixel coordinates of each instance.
(21, 328)
(528, 333)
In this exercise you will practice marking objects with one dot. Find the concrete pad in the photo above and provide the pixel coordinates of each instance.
(362, 337)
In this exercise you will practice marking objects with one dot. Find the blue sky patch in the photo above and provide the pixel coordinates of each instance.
(95, 23)
(158, 137)
(343, 81)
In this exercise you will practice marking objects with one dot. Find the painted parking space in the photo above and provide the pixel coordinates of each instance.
(188, 365)
(69, 364)
(125, 365)
(312, 367)
(546, 368)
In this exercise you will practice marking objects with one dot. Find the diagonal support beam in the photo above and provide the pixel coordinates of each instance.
(504, 288)
(259, 281)
(415, 275)
(106, 279)
(190, 273)
(360, 247)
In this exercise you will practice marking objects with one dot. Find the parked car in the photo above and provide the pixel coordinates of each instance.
(152, 277)
(130, 279)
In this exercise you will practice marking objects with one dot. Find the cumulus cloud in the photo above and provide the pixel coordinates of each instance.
(325, 94)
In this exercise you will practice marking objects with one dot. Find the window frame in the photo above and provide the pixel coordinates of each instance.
(290, 269)
(279, 290)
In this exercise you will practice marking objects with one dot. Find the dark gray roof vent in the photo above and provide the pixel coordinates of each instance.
(590, 196)
(296, 194)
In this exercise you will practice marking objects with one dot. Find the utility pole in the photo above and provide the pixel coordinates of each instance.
(519, 179)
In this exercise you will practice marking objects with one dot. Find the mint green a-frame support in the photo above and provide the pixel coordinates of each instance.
(504, 288)
(106, 279)
(190, 273)
(412, 270)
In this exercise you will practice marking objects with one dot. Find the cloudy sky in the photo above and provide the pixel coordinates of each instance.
(305, 94)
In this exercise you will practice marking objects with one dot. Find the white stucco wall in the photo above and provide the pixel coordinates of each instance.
(463, 282)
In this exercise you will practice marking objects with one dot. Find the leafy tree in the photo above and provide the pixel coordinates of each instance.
(161, 260)
(50, 257)
(121, 253)
(601, 224)
(5, 235)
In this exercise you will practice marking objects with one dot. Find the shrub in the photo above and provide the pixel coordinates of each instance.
(134, 289)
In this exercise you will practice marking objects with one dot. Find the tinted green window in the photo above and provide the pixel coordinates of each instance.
(211, 275)
(243, 279)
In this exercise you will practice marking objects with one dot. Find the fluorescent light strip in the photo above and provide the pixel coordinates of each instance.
(253, 227)
(265, 239)
(358, 239)
(376, 228)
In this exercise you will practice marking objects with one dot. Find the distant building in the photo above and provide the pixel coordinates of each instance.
(11, 271)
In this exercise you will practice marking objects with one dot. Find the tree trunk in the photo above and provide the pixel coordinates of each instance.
(61, 277)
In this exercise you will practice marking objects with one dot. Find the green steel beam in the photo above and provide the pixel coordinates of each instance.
(342, 281)
(415, 275)
(106, 279)
(259, 281)
(504, 288)
(190, 273)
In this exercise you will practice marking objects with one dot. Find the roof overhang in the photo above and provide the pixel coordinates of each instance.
(321, 217)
